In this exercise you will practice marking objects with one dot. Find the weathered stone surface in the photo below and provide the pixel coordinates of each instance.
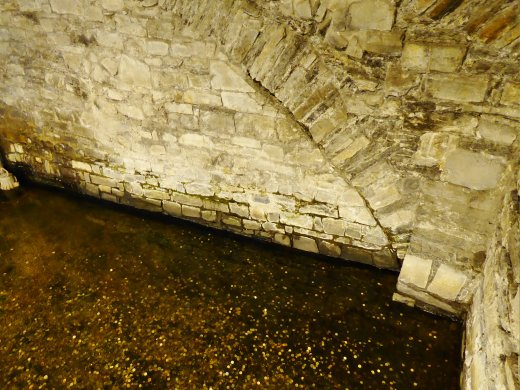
(134, 72)
(415, 271)
(511, 94)
(225, 78)
(447, 282)
(493, 130)
(73, 7)
(472, 170)
(372, 15)
(457, 87)
(305, 244)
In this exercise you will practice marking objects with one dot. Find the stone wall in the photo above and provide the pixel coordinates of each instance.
(493, 324)
(362, 129)
(134, 109)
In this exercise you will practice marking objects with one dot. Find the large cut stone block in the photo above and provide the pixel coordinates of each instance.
(225, 78)
(415, 271)
(457, 87)
(447, 282)
(305, 244)
(472, 170)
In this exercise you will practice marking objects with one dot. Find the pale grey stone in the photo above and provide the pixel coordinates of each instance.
(320, 209)
(134, 72)
(447, 282)
(472, 170)
(158, 48)
(209, 215)
(334, 226)
(251, 225)
(185, 199)
(232, 221)
(458, 87)
(74, 7)
(225, 78)
(282, 239)
(172, 208)
(305, 244)
(329, 249)
(241, 102)
(415, 271)
(493, 130)
(179, 108)
(357, 214)
(304, 221)
(105, 181)
(239, 209)
(200, 189)
(156, 194)
(202, 98)
(81, 166)
(191, 212)
(113, 5)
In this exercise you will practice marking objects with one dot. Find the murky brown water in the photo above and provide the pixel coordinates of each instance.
(92, 296)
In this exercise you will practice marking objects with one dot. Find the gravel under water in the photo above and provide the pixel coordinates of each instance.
(96, 296)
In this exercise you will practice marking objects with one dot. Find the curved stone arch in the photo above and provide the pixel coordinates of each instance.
(387, 146)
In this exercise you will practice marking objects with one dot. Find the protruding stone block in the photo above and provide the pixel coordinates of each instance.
(447, 282)
(472, 170)
(305, 244)
(415, 271)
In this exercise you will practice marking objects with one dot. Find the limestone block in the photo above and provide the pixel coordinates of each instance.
(415, 56)
(271, 227)
(446, 58)
(334, 226)
(158, 48)
(359, 255)
(179, 108)
(398, 221)
(190, 212)
(131, 111)
(305, 244)
(246, 142)
(240, 102)
(320, 209)
(74, 7)
(376, 236)
(398, 81)
(372, 15)
(192, 139)
(239, 209)
(202, 98)
(134, 72)
(225, 78)
(185, 199)
(511, 94)
(415, 271)
(472, 170)
(356, 214)
(447, 282)
(82, 166)
(458, 87)
(251, 225)
(156, 194)
(386, 259)
(105, 181)
(282, 239)
(216, 206)
(113, 5)
(112, 40)
(433, 147)
(498, 132)
(209, 215)
(304, 221)
(217, 121)
(232, 221)
(329, 249)
(199, 189)
(302, 9)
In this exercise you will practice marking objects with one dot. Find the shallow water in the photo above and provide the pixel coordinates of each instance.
(97, 296)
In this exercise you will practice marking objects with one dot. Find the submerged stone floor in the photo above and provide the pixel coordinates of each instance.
(93, 296)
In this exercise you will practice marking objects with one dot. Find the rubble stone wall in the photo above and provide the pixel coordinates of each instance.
(493, 322)
(369, 129)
